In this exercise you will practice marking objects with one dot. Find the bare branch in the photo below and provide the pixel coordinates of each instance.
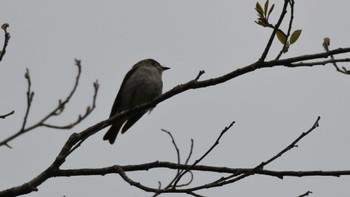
(205, 154)
(194, 194)
(190, 153)
(326, 43)
(305, 194)
(175, 145)
(199, 75)
(30, 96)
(231, 179)
(179, 171)
(81, 117)
(321, 63)
(6, 40)
(8, 114)
(178, 161)
(199, 168)
(56, 111)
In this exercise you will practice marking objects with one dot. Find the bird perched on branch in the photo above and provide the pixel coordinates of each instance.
(141, 84)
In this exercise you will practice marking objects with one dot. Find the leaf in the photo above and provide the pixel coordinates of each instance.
(281, 36)
(295, 35)
(270, 11)
(262, 22)
(259, 9)
(266, 7)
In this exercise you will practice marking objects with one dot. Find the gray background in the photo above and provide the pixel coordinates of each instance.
(271, 106)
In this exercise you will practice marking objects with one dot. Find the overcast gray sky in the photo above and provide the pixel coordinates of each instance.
(271, 106)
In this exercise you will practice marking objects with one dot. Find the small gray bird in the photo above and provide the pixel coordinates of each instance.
(141, 84)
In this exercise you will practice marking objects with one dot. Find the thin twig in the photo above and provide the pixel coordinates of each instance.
(170, 184)
(305, 194)
(286, 43)
(30, 95)
(8, 114)
(178, 162)
(228, 180)
(273, 34)
(194, 194)
(326, 43)
(55, 112)
(6, 40)
(322, 63)
(206, 153)
(81, 117)
(190, 153)
(199, 75)
(175, 146)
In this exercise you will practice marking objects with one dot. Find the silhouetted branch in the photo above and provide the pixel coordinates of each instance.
(30, 96)
(200, 168)
(55, 112)
(275, 29)
(178, 172)
(6, 40)
(321, 63)
(81, 117)
(286, 43)
(326, 43)
(8, 114)
(305, 194)
(175, 145)
(233, 178)
(201, 72)
(205, 154)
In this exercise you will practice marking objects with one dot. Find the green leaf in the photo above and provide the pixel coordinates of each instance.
(281, 36)
(259, 9)
(270, 11)
(295, 35)
(266, 7)
(262, 22)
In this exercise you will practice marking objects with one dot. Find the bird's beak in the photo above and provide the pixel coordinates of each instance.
(165, 68)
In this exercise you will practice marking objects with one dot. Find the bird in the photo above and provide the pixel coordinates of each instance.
(141, 84)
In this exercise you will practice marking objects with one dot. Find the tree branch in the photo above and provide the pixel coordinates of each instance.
(55, 112)
(326, 43)
(200, 168)
(54, 171)
(305, 194)
(6, 40)
(205, 154)
(8, 114)
(273, 34)
(286, 43)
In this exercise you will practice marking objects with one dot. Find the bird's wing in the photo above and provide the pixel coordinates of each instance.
(117, 103)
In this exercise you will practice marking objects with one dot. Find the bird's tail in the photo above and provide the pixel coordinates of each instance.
(112, 133)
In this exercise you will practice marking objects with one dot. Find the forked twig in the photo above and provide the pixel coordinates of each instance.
(206, 153)
(55, 112)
